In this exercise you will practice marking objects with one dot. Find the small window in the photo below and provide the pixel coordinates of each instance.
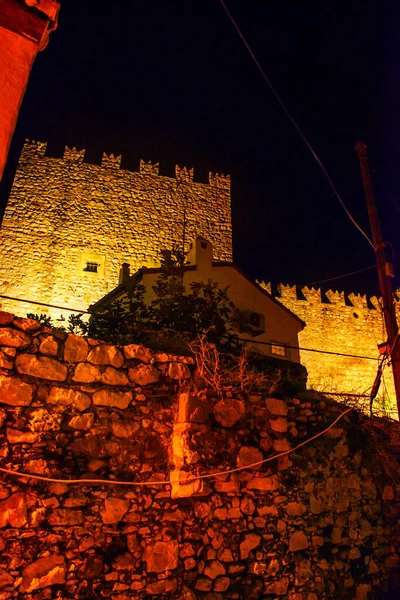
(91, 267)
(278, 350)
(203, 245)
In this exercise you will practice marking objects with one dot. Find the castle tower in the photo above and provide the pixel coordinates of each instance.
(69, 225)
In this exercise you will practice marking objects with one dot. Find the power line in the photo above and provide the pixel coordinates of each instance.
(388, 192)
(239, 339)
(294, 123)
(307, 349)
(74, 310)
(172, 481)
(338, 276)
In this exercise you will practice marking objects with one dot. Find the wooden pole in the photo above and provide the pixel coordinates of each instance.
(385, 270)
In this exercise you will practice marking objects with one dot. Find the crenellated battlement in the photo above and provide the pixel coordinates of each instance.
(336, 297)
(220, 180)
(149, 168)
(287, 292)
(74, 155)
(110, 161)
(312, 294)
(358, 301)
(184, 174)
(35, 150)
(297, 298)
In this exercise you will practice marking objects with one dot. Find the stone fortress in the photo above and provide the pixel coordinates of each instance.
(69, 225)
(349, 325)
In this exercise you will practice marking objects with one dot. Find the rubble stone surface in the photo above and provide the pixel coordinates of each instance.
(323, 523)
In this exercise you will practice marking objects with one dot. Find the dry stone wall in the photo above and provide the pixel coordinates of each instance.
(319, 523)
(339, 324)
(64, 213)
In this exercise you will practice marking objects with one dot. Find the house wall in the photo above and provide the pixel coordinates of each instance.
(64, 212)
(280, 326)
(321, 522)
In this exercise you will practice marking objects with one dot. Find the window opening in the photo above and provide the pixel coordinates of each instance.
(91, 267)
(278, 350)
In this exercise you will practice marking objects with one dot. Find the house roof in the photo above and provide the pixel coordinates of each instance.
(137, 277)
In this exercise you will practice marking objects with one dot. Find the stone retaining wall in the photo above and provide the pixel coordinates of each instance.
(319, 523)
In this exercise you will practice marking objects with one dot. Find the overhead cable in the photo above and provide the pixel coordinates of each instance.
(239, 339)
(172, 481)
(307, 349)
(295, 125)
(338, 277)
(74, 310)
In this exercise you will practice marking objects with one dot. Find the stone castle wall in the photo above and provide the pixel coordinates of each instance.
(348, 325)
(321, 522)
(63, 213)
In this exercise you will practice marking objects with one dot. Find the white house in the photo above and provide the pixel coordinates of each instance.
(262, 321)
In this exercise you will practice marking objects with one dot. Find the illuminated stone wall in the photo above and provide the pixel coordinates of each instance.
(63, 213)
(321, 522)
(352, 325)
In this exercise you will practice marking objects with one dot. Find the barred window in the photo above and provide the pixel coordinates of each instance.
(91, 267)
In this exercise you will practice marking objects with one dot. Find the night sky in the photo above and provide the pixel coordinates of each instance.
(172, 82)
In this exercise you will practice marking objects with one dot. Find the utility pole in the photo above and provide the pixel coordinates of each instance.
(385, 271)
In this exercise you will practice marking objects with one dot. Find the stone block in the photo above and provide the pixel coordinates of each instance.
(13, 511)
(86, 373)
(249, 543)
(228, 412)
(113, 377)
(249, 455)
(14, 391)
(113, 510)
(263, 484)
(106, 355)
(144, 375)
(179, 371)
(64, 397)
(138, 352)
(276, 406)
(44, 572)
(161, 556)
(75, 349)
(41, 366)
(13, 338)
(298, 541)
(108, 398)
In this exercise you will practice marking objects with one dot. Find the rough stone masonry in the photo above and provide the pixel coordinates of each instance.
(69, 225)
(319, 523)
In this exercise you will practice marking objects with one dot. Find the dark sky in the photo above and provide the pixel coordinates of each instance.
(172, 82)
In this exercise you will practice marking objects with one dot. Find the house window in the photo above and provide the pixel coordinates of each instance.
(91, 267)
(278, 349)
(203, 245)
